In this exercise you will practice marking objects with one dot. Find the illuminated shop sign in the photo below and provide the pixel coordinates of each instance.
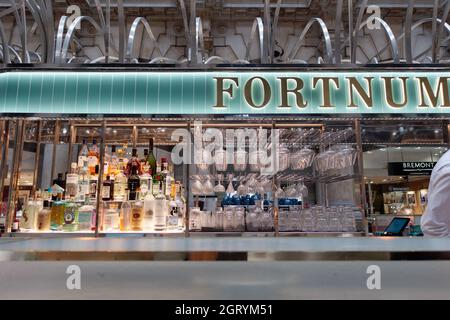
(410, 168)
(225, 92)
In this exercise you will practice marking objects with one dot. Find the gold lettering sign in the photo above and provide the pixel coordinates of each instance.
(326, 92)
(299, 101)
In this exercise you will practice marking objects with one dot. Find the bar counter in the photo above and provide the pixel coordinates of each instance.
(225, 268)
(227, 248)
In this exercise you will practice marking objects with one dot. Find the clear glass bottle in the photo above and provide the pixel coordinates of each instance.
(120, 185)
(83, 154)
(172, 218)
(86, 217)
(83, 183)
(111, 217)
(137, 215)
(113, 163)
(149, 209)
(125, 214)
(93, 157)
(30, 215)
(181, 204)
(43, 219)
(161, 208)
(72, 181)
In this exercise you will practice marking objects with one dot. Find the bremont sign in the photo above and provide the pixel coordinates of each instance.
(225, 92)
(410, 168)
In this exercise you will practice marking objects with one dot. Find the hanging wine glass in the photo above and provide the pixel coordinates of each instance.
(219, 187)
(230, 188)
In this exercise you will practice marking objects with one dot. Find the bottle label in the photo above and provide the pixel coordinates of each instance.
(69, 216)
(85, 217)
(136, 218)
(71, 179)
(93, 188)
(92, 161)
(84, 189)
(106, 192)
(81, 160)
(172, 221)
(160, 213)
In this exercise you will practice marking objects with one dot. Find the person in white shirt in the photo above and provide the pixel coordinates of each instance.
(436, 220)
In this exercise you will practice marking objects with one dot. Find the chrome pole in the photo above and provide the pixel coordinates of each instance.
(55, 144)
(37, 158)
(188, 185)
(4, 163)
(14, 179)
(360, 168)
(100, 177)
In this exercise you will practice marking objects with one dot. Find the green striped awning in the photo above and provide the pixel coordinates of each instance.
(245, 92)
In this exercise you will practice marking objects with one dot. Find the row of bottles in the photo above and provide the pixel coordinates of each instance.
(138, 194)
(45, 214)
(149, 212)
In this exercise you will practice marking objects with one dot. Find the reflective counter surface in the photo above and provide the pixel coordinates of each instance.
(225, 268)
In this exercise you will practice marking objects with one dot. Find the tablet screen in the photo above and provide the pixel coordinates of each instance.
(397, 226)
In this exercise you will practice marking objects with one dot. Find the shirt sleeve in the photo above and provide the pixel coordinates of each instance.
(436, 220)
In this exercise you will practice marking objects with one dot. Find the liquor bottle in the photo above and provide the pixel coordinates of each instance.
(151, 160)
(83, 155)
(72, 181)
(125, 214)
(124, 155)
(120, 185)
(86, 217)
(15, 225)
(169, 181)
(57, 215)
(43, 220)
(113, 162)
(106, 160)
(70, 216)
(93, 157)
(144, 164)
(134, 183)
(181, 204)
(93, 184)
(83, 182)
(157, 177)
(146, 180)
(29, 214)
(60, 182)
(149, 209)
(108, 189)
(111, 217)
(137, 215)
(172, 218)
(134, 162)
(160, 212)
